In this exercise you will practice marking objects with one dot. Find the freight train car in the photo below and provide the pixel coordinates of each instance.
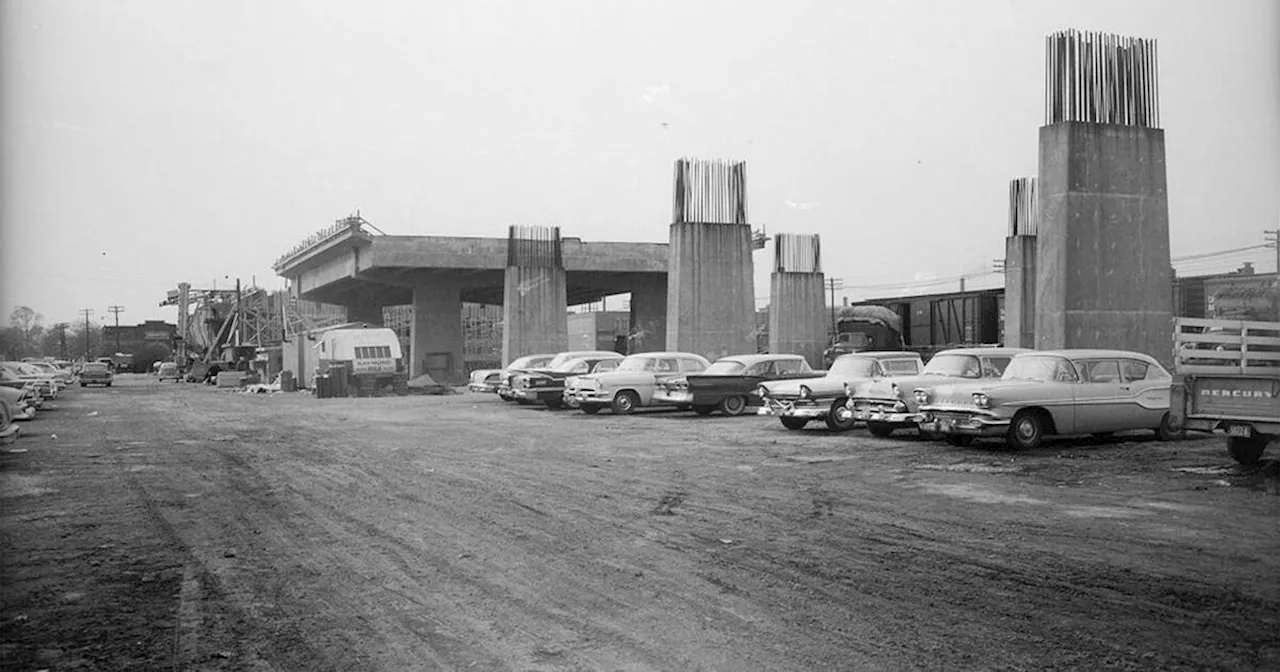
(937, 321)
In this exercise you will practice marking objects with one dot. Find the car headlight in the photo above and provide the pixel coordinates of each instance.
(981, 400)
(921, 396)
(805, 392)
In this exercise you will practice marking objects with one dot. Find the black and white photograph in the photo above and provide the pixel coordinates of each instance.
(590, 335)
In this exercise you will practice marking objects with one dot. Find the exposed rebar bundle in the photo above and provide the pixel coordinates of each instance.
(1102, 79)
(1024, 207)
(710, 192)
(534, 247)
(796, 253)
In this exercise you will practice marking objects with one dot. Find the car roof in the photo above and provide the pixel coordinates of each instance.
(749, 360)
(1093, 353)
(579, 354)
(884, 354)
(994, 350)
(668, 353)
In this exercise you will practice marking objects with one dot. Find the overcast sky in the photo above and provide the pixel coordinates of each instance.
(155, 141)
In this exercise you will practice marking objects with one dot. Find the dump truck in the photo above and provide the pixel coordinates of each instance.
(862, 328)
(1227, 381)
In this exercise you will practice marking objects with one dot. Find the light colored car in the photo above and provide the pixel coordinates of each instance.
(96, 373)
(169, 370)
(490, 380)
(546, 385)
(632, 385)
(797, 402)
(889, 404)
(1054, 392)
(11, 409)
(729, 384)
(44, 383)
(61, 375)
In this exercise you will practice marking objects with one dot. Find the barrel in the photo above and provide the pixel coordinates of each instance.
(286, 381)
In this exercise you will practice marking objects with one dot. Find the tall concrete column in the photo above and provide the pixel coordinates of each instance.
(797, 304)
(648, 316)
(1020, 264)
(535, 311)
(710, 276)
(1103, 270)
(436, 333)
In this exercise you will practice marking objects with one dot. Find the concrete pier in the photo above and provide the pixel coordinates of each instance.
(436, 334)
(534, 300)
(1020, 264)
(797, 323)
(710, 276)
(1102, 253)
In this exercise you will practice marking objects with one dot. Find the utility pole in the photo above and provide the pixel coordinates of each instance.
(116, 310)
(239, 316)
(1273, 240)
(832, 285)
(86, 312)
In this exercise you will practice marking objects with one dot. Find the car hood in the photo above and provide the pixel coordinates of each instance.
(822, 386)
(962, 393)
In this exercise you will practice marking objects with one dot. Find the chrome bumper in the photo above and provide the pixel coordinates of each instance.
(973, 425)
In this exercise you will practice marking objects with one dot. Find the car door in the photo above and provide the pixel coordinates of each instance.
(1150, 388)
(1102, 399)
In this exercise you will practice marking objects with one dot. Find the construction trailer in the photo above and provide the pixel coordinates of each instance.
(300, 352)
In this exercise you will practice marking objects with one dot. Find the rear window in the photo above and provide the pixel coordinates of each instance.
(95, 366)
(895, 367)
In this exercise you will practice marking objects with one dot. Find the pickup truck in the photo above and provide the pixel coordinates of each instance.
(1227, 380)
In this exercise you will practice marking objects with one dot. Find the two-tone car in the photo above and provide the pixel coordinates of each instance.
(729, 384)
(797, 402)
(526, 363)
(490, 380)
(546, 385)
(1054, 392)
(889, 404)
(632, 385)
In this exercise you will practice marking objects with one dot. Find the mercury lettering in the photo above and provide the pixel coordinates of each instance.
(1255, 394)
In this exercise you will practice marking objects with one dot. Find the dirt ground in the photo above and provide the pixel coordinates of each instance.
(175, 526)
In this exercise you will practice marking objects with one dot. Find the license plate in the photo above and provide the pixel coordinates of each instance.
(1240, 430)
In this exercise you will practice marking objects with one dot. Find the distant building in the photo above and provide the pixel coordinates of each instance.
(149, 342)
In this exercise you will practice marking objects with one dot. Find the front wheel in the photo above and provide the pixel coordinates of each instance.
(624, 402)
(1025, 432)
(880, 429)
(1246, 449)
(793, 423)
(839, 418)
(733, 405)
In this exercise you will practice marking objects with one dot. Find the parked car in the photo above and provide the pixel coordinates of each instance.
(62, 376)
(45, 383)
(890, 404)
(96, 373)
(632, 385)
(546, 384)
(729, 384)
(796, 402)
(489, 380)
(1054, 392)
(11, 408)
(169, 370)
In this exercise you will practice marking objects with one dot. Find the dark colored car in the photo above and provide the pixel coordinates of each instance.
(547, 385)
(96, 373)
(729, 384)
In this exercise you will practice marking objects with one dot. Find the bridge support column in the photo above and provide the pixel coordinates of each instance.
(436, 334)
(797, 307)
(1020, 265)
(535, 312)
(710, 278)
(648, 316)
(1102, 253)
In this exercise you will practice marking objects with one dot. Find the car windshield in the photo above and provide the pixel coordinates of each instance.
(528, 361)
(725, 367)
(567, 365)
(1041, 368)
(964, 366)
(853, 367)
(635, 363)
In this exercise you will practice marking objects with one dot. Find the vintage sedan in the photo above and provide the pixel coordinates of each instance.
(96, 373)
(796, 402)
(632, 385)
(10, 408)
(546, 385)
(1054, 392)
(728, 385)
(889, 404)
(45, 384)
(490, 380)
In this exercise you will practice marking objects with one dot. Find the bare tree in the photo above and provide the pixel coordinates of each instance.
(27, 322)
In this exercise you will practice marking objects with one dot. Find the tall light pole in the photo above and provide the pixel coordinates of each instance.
(116, 310)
